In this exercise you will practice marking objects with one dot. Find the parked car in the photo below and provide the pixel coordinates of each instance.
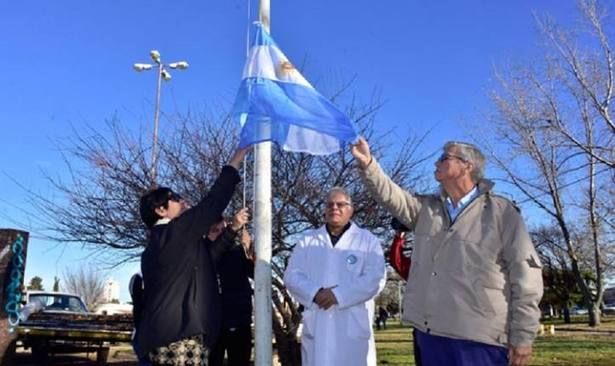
(56, 322)
(56, 302)
(111, 309)
(608, 309)
(577, 310)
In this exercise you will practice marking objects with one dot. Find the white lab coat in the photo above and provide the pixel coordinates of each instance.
(341, 335)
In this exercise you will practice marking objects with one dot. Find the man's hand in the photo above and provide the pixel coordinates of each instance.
(240, 219)
(238, 157)
(325, 298)
(519, 356)
(361, 153)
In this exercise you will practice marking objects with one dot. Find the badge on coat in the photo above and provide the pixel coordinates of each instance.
(351, 259)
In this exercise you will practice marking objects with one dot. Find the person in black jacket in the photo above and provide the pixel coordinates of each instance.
(135, 287)
(234, 268)
(180, 319)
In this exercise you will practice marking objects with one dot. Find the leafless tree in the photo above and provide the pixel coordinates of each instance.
(552, 136)
(87, 283)
(581, 67)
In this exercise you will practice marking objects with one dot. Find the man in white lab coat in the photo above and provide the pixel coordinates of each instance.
(335, 271)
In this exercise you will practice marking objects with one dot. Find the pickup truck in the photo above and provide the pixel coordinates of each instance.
(55, 322)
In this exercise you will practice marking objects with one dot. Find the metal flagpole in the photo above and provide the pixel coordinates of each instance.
(262, 225)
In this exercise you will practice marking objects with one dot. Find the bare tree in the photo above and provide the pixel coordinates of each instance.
(554, 178)
(552, 136)
(87, 283)
(582, 67)
(97, 206)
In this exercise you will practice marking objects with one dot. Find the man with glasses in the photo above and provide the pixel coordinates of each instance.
(334, 272)
(475, 281)
(180, 319)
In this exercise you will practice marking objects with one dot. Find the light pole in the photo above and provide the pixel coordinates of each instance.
(163, 73)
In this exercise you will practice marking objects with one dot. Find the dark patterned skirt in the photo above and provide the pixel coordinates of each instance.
(189, 351)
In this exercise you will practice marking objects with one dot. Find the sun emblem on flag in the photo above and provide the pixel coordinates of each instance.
(285, 70)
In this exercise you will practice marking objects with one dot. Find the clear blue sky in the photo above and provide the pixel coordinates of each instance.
(68, 62)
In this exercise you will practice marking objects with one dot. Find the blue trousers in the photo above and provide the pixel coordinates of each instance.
(444, 351)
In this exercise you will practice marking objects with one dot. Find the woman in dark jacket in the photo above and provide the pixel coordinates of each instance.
(234, 268)
(180, 317)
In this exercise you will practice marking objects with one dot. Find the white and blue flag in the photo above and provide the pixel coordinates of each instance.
(276, 103)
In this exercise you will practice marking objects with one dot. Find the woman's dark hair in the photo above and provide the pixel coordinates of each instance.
(398, 226)
(152, 200)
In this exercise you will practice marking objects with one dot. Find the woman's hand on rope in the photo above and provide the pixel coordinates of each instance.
(246, 242)
(238, 157)
(241, 218)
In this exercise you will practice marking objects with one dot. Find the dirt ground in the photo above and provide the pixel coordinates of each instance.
(119, 355)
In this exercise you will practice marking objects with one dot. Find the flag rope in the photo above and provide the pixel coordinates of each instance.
(243, 199)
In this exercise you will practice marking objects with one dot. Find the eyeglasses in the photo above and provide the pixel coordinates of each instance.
(445, 156)
(341, 204)
(175, 197)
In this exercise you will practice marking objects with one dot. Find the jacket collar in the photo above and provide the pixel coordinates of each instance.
(484, 186)
(352, 231)
(162, 221)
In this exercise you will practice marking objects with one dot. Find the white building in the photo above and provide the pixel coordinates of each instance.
(112, 290)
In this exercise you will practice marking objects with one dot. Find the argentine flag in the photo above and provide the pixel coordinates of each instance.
(276, 103)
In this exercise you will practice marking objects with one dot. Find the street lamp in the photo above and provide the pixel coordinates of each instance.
(163, 73)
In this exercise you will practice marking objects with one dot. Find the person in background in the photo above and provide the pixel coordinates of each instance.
(401, 264)
(382, 318)
(234, 268)
(135, 288)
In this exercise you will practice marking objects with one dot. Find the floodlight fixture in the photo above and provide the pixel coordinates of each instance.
(165, 74)
(155, 55)
(182, 65)
(142, 67)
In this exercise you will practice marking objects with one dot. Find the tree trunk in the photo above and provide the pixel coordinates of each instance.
(289, 349)
(566, 314)
(594, 314)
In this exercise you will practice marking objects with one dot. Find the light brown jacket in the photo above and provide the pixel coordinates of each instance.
(477, 278)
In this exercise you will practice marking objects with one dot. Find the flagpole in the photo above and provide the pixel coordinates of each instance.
(262, 225)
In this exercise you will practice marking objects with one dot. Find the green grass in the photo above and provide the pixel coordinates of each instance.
(394, 345)
(577, 350)
(566, 347)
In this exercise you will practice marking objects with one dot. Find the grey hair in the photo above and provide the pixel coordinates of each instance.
(471, 154)
(342, 190)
